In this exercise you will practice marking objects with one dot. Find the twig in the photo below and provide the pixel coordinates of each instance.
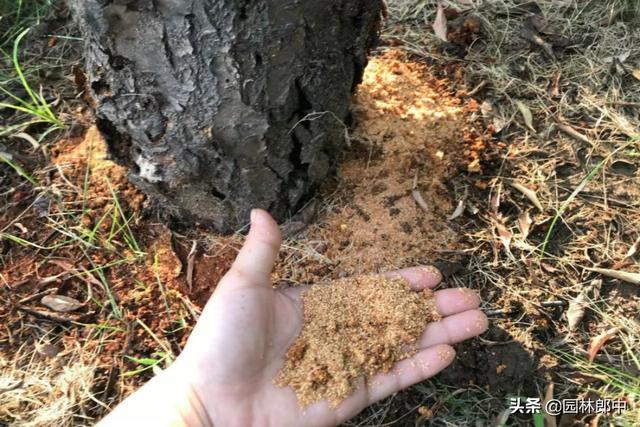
(191, 258)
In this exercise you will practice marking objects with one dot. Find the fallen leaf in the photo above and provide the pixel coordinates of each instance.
(529, 194)
(505, 236)
(625, 276)
(490, 115)
(531, 35)
(554, 85)
(461, 205)
(21, 227)
(440, 24)
(60, 303)
(636, 73)
(526, 114)
(599, 341)
(417, 196)
(459, 210)
(576, 310)
(633, 250)
(48, 350)
(524, 224)
(579, 304)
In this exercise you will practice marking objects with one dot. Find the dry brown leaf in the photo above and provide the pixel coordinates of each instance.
(440, 24)
(625, 276)
(524, 224)
(529, 194)
(505, 235)
(579, 304)
(554, 85)
(633, 250)
(490, 114)
(576, 310)
(599, 341)
(417, 196)
(21, 227)
(459, 210)
(60, 303)
(526, 114)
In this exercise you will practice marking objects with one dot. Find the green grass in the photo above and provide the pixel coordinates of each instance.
(18, 15)
(586, 180)
(21, 96)
(21, 172)
(35, 106)
(615, 383)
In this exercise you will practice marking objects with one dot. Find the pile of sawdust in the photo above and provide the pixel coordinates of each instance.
(407, 145)
(353, 328)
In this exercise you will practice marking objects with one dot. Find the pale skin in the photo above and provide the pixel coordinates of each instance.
(224, 376)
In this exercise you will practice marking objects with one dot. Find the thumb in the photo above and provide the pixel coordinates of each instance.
(255, 261)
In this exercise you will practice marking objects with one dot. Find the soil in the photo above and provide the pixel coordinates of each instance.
(133, 275)
(353, 328)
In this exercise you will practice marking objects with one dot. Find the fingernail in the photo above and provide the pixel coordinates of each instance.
(254, 215)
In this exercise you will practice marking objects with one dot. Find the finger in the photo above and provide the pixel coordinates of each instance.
(418, 277)
(456, 300)
(454, 329)
(424, 364)
(255, 261)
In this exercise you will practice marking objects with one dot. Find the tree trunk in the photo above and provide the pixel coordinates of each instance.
(219, 106)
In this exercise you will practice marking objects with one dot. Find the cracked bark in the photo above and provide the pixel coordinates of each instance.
(204, 100)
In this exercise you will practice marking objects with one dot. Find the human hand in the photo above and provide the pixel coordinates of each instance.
(224, 377)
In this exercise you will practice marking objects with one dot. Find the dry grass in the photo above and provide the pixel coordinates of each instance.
(578, 151)
(42, 389)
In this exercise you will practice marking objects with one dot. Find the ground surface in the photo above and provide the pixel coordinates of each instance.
(508, 156)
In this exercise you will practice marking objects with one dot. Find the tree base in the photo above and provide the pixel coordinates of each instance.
(221, 106)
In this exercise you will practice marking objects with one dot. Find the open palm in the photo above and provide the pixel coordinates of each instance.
(241, 339)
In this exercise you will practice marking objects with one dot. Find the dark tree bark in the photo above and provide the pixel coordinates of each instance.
(219, 106)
